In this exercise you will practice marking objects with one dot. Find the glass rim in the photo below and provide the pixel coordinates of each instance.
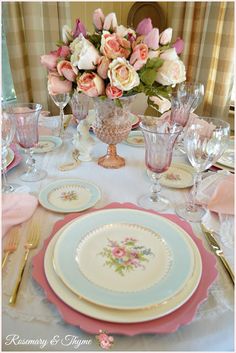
(34, 106)
(212, 119)
(180, 128)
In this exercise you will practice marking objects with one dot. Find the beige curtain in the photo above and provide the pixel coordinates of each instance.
(33, 28)
(207, 29)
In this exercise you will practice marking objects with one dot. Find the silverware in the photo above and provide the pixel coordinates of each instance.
(31, 243)
(215, 247)
(11, 244)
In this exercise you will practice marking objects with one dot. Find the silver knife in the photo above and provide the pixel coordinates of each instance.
(215, 247)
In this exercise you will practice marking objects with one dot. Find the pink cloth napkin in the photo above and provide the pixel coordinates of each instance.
(222, 200)
(17, 208)
(216, 192)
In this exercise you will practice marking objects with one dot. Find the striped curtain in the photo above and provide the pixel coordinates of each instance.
(207, 29)
(32, 29)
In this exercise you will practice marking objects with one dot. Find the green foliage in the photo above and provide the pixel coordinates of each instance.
(95, 39)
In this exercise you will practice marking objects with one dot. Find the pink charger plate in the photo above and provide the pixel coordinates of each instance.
(165, 324)
(17, 157)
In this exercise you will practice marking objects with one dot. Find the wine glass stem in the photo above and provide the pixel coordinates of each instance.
(193, 194)
(62, 121)
(30, 161)
(155, 187)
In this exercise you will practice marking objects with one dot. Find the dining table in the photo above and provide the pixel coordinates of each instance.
(35, 323)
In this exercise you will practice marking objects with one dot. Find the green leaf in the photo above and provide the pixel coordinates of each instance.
(154, 63)
(118, 102)
(148, 76)
(60, 43)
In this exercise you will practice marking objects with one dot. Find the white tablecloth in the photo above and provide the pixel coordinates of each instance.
(35, 318)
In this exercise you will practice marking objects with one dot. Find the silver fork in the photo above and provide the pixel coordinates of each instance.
(31, 243)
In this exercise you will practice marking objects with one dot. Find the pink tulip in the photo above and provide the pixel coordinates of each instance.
(144, 27)
(110, 22)
(103, 65)
(66, 69)
(165, 36)
(178, 45)
(79, 28)
(49, 60)
(58, 86)
(98, 19)
(152, 39)
(113, 92)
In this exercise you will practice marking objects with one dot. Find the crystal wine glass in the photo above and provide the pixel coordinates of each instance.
(190, 94)
(205, 141)
(26, 116)
(159, 138)
(61, 100)
(8, 129)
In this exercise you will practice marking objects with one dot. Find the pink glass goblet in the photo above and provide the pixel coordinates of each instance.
(26, 116)
(159, 137)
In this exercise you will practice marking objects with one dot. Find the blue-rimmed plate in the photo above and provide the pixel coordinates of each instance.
(135, 139)
(47, 144)
(10, 156)
(69, 195)
(138, 259)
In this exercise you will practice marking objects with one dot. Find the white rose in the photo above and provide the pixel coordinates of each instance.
(153, 54)
(124, 31)
(169, 54)
(163, 103)
(122, 75)
(85, 56)
(171, 73)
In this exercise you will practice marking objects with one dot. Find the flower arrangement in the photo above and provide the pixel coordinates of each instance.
(116, 61)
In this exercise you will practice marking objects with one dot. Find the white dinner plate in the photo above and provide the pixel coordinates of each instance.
(227, 159)
(47, 144)
(135, 139)
(10, 156)
(139, 259)
(69, 195)
(113, 315)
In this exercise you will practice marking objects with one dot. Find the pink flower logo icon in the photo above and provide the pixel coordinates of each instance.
(105, 341)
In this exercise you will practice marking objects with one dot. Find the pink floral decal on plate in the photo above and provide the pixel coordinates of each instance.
(69, 195)
(126, 255)
(105, 341)
(172, 176)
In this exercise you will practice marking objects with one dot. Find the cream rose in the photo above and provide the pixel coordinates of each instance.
(85, 56)
(171, 73)
(122, 75)
(91, 84)
(162, 103)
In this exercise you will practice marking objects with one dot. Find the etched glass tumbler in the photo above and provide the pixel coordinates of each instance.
(159, 138)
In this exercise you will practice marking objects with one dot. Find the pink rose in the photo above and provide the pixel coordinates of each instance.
(66, 69)
(165, 36)
(63, 51)
(178, 45)
(56, 85)
(103, 65)
(105, 344)
(91, 84)
(102, 336)
(118, 252)
(79, 28)
(110, 22)
(49, 60)
(144, 27)
(98, 19)
(152, 39)
(113, 92)
(114, 46)
(139, 56)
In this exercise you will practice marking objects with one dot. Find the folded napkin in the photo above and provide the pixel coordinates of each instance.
(17, 208)
(216, 192)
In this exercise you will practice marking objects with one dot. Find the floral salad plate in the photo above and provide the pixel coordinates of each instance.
(140, 260)
(47, 144)
(69, 195)
(10, 156)
(135, 139)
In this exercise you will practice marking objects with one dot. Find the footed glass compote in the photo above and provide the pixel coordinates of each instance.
(61, 100)
(159, 138)
(205, 141)
(26, 117)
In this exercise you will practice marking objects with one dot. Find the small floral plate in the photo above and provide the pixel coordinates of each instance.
(135, 139)
(69, 195)
(10, 156)
(178, 176)
(47, 144)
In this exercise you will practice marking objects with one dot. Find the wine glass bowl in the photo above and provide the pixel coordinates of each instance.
(190, 94)
(205, 141)
(26, 117)
(159, 137)
(61, 100)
